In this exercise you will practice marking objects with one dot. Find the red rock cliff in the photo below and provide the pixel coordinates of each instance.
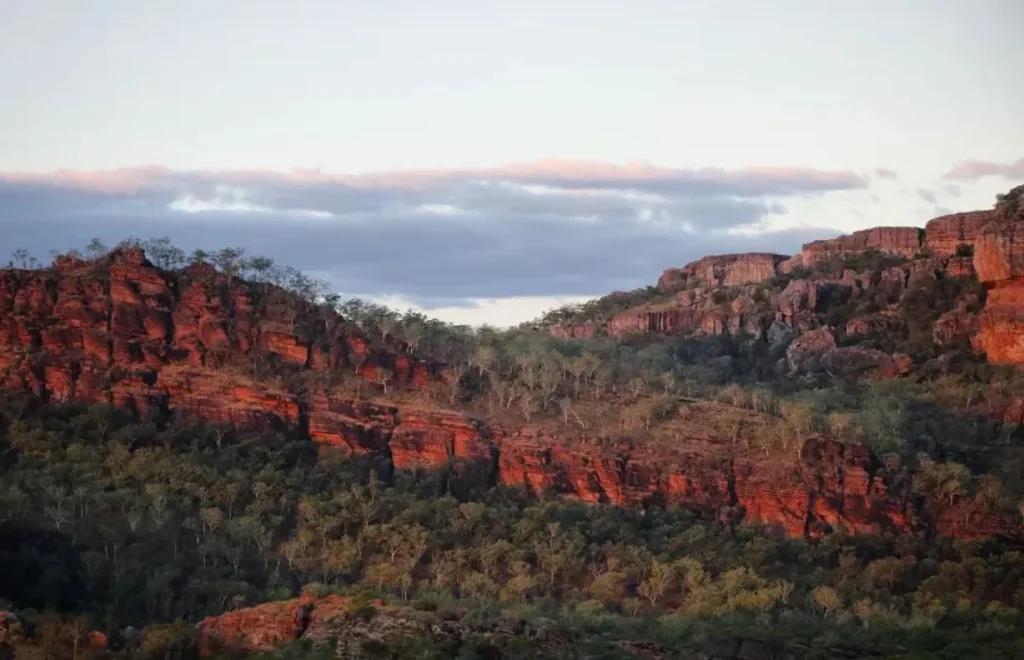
(724, 269)
(187, 343)
(945, 234)
(999, 263)
(905, 241)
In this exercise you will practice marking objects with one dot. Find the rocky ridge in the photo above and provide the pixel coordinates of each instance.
(187, 343)
(769, 296)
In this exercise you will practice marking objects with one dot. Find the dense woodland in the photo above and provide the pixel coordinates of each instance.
(140, 528)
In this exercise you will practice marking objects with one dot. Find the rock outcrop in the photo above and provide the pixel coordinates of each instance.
(805, 352)
(356, 631)
(192, 343)
(723, 269)
(122, 331)
(947, 234)
(999, 263)
(903, 241)
(857, 362)
(727, 293)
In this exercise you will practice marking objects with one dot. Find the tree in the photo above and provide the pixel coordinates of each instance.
(827, 599)
(565, 405)
(636, 387)
(658, 581)
(527, 405)
(358, 359)
(384, 376)
(96, 248)
(608, 587)
(484, 359)
(947, 480)
(20, 258)
(229, 261)
(163, 253)
(578, 367)
(798, 415)
(550, 380)
(452, 375)
(838, 423)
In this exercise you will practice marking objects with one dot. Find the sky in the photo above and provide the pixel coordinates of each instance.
(486, 160)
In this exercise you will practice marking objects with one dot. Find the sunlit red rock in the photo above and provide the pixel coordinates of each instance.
(999, 262)
(188, 342)
(945, 234)
(903, 241)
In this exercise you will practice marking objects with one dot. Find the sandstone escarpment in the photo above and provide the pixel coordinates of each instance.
(999, 263)
(735, 294)
(903, 241)
(947, 234)
(122, 331)
(194, 343)
(723, 269)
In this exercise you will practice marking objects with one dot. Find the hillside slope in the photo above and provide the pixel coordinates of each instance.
(196, 343)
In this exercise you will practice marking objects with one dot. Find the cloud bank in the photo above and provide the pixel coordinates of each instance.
(440, 238)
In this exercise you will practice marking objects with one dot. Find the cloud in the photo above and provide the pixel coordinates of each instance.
(886, 173)
(969, 170)
(435, 237)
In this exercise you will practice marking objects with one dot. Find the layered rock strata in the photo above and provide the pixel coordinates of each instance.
(188, 343)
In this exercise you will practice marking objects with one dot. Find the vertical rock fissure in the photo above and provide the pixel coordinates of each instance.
(730, 483)
(812, 496)
(108, 381)
(494, 474)
(841, 481)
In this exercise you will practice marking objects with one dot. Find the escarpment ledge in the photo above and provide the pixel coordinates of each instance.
(194, 343)
(738, 294)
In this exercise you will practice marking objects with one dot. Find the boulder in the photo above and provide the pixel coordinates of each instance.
(805, 352)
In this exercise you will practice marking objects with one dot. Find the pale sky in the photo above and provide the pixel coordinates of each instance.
(867, 106)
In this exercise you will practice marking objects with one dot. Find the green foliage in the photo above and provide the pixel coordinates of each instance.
(155, 523)
(178, 527)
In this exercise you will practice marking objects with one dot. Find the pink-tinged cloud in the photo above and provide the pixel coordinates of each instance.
(122, 180)
(968, 170)
(555, 173)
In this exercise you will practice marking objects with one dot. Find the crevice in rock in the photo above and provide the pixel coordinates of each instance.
(812, 496)
(734, 499)
(494, 473)
(841, 480)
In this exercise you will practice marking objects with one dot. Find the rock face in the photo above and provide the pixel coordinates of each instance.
(854, 362)
(999, 263)
(125, 332)
(805, 352)
(944, 235)
(726, 294)
(904, 241)
(724, 269)
(187, 344)
(352, 631)
(261, 628)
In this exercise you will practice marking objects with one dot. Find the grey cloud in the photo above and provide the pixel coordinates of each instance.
(926, 195)
(586, 233)
(886, 173)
